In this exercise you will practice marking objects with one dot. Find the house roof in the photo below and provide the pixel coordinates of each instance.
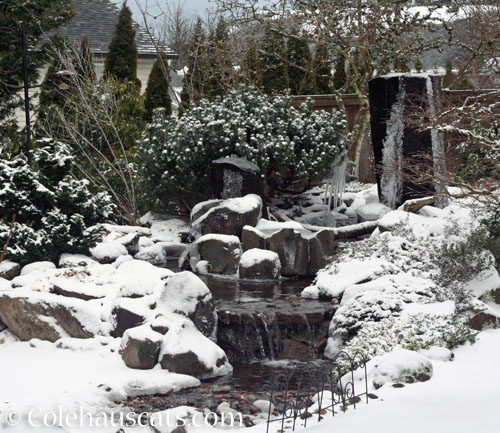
(97, 19)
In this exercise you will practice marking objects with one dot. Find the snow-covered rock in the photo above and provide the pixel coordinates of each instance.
(228, 217)
(184, 293)
(108, 252)
(71, 260)
(37, 267)
(437, 353)
(401, 366)
(30, 314)
(259, 264)
(222, 252)
(9, 270)
(186, 350)
(140, 347)
(371, 212)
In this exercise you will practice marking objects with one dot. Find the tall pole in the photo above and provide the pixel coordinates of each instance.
(26, 94)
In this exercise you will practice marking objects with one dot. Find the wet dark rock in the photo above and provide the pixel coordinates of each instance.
(257, 264)
(258, 330)
(293, 251)
(252, 238)
(125, 319)
(205, 317)
(69, 293)
(140, 349)
(222, 252)
(187, 363)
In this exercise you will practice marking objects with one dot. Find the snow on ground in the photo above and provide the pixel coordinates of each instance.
(461, 397)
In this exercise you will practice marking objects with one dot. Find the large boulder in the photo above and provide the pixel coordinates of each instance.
(222, 252)
(186, 351)
(184, 293)
(140, 347)
(30, 314)
(227, 217)
(401, 366)
(9, 270)
(260, 265)
(293, 251)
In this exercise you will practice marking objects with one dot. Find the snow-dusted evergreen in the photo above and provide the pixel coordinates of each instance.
(54, 211)
(287, 144)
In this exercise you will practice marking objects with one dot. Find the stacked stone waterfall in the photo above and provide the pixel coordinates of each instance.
(398, 146)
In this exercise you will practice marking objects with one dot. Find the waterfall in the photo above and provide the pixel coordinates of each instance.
(438, 154)
(335, 188)
(391, 181)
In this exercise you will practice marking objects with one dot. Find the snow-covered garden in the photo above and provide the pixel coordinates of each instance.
(226, 255)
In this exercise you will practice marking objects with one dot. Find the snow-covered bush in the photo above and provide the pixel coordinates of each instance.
(287, 145)
(412, 286)
(413, 332)
(54, 211)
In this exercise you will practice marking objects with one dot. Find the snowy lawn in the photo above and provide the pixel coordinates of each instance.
(461, 397)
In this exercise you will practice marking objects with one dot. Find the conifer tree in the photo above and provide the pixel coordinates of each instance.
(322, 69)
(157, 93)
(251, 65)
(339, 77)
(274, 71)
(121, 60)
(419, 67)
(84, 66)
(299, 63)
(449, 77)
(218, 61)
(192, 90)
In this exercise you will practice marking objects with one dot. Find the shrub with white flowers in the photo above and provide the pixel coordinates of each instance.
(54, 211)
(288, 145)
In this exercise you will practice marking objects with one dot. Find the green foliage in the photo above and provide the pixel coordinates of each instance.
(84, 67)
(322, 68)
(272, 64)
(218, 62)
(299, 62)
(251, 69)
(419, 67)
(194, 79)
(157, 93)
(419, 331)
(121, 60)
(286, 144)
(55, 212)
(339, 77)
(39, 17)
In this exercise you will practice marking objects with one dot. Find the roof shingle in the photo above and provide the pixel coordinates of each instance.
(97, 19)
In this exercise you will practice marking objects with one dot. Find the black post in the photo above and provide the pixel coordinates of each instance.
(26, 93)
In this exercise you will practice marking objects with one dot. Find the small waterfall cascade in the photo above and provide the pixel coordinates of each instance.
(249, 333)
(335, 188)
(391, 181)
(438, 153)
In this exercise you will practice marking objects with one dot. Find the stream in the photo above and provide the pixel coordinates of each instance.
(266, 329)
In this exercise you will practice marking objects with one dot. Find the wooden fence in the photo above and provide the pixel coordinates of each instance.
(352, 105)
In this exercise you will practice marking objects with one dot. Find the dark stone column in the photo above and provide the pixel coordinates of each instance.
(398, 145)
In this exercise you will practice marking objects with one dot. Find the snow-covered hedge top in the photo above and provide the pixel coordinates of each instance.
(283, 142)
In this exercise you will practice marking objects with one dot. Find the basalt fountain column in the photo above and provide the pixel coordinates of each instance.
(399, 146)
